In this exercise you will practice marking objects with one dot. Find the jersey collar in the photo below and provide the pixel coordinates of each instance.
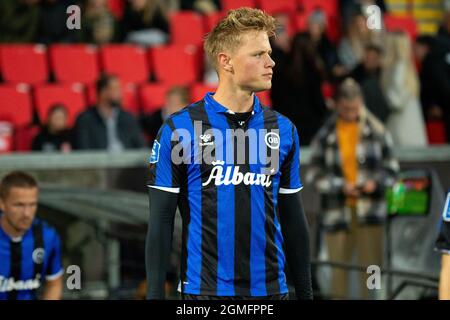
(209, 100)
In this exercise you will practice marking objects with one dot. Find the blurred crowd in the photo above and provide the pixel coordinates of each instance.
(405, 80)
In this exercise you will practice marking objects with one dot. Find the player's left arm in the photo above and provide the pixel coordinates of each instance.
(293, 221)
(295, 231)
(53, 286)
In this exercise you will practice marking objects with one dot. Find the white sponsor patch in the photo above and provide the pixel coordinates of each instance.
(155, 152)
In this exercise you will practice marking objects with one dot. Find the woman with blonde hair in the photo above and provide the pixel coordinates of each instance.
(401, 87)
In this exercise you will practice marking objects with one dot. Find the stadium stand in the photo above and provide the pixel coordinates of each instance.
(83, 67)
(24, 63)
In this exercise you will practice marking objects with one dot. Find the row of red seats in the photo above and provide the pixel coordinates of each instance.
(30, 63)
(16, 101)
(270, 6)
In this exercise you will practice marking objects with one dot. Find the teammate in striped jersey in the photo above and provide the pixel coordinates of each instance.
(232, 166)
(30, 250)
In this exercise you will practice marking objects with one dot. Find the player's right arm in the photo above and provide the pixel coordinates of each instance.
(444, 282)
(163, 206)
(163, 197)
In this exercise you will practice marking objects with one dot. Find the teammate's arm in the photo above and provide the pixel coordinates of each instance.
(295, 231)
(163, 206)
(53, 289)
(444, 282)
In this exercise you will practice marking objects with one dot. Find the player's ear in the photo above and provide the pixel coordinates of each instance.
(224, 61)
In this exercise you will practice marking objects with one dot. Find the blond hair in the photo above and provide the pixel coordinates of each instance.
(399, 49)
(227, 34)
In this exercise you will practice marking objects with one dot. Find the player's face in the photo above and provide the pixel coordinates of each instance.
(19, 207)
(252, 64)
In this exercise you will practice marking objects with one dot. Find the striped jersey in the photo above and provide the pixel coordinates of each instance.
(228, 174)
(26, 261)
(443, 240)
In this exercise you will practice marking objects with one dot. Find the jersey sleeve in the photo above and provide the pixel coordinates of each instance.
(290, 168)
(443, 240)
(165, 172)
(55, 268)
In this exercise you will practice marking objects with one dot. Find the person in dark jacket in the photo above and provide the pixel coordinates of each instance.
(176, 98)
(55, 135)
(106, 126)
(368, 75)
(297, 88)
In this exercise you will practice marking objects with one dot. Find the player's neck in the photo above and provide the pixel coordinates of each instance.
(9, 229)
(234, 98)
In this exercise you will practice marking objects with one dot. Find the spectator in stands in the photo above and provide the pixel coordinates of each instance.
(400, 84)
(202, 6)
(351, 165)
(145, 22)
(434, 80)
(106, 126)
(317, 24)
(296, 90)
(98, 25)
(368, 75)
(281, 46)
(348, 8)
(19, 20)
(176, 98)
(55, 135)
(53, 22)
(444, 32)
(357, 37)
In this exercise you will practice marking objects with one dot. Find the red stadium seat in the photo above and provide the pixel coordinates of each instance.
(153, 96)
(74, 63)
(272, 7)
(23, 138)
(264, 98)
(212, 19)
(405, 24)
(130, 100)
(6, 137)
(128, 62)
(228, 5)
(176, 64)
(116, 7)
(24, 63)
(70, 96)
(436, 132)
(186, 27)
(199, 90)
(15, 105)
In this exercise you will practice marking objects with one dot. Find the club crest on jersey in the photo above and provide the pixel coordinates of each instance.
(155, 152)
(205, 140)
(38, 255)
(272, 140)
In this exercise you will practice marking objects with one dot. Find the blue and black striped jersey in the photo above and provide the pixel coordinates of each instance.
(26, 261)
(443, 240)
(228, 174)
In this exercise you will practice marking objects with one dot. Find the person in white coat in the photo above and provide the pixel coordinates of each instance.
(401, 87)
